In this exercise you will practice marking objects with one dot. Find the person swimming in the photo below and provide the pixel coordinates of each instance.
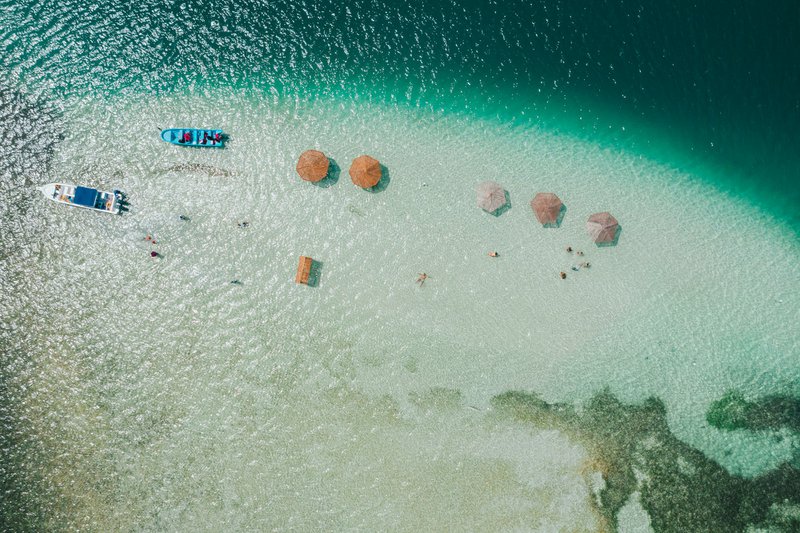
(184, 218)
(569, 249)
(154, 254)
(563, 275)
(494, 254)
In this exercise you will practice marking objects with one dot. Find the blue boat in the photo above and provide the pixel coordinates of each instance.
(198, 138)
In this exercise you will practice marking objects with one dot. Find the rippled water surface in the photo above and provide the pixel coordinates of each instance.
(155, 394)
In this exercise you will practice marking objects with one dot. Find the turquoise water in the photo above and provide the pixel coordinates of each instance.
(692, 85)
(155, 395)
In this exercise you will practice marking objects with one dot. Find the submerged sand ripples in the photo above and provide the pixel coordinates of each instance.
(268, 404)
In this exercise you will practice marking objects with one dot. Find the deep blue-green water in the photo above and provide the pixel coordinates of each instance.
(710, 83)
(219, 412)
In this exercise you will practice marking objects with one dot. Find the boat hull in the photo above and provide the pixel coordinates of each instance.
(194, 137)
(85, 197)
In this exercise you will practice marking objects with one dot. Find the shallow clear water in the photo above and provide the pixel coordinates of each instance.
(155, 394)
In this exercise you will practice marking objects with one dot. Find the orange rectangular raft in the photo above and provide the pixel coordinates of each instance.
(304, 270)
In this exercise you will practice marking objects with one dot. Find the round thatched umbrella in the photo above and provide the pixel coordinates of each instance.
(602, 227)
(312, 165)
(491, 196)
(547, 208)
(365, 171)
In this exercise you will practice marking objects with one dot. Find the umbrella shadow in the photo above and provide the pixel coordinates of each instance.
(503, 208)
(612, 242)
(383, 183)
(559, 218)
(332, 177)
(315, 274)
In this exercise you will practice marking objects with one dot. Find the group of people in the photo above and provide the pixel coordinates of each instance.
(576, 268)
(152, 240)
(563, 275)
(213, 139)
(422, 276)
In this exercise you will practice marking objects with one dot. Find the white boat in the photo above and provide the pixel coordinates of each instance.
(75, 195)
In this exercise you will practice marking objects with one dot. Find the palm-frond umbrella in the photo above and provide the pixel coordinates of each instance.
(365, 171)
(312, 165)
(602, 227)
(491, 196)
(547, 207)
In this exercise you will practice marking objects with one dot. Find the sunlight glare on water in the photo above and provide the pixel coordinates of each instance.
(201, 400)
(153, 393)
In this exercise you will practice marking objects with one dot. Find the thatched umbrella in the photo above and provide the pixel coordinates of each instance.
(491, 196)
(313, 165)
(547, 207)
(365, 171)
(602, 227)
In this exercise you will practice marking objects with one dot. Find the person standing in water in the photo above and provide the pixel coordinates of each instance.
(421, 279)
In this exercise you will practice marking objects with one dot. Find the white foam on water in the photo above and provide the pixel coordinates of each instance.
(271, 404)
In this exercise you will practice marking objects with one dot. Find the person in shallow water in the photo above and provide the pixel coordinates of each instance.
(569, 249)
(563, 275)
(154, 254)
(421, 279)
(184, 218)
(243, 224)
(494, 254)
